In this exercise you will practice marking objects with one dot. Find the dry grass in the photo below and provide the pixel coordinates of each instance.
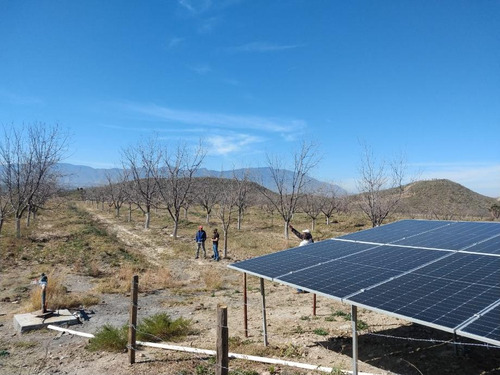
(57, 296)
(149, 280)
(212, 279)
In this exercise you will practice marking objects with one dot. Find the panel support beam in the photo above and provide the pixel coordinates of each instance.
(354, 323)
(264, 322)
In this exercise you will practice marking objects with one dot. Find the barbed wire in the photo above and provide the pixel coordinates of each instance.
(434, 341)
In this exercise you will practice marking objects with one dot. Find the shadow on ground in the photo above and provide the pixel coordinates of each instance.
(411, 351)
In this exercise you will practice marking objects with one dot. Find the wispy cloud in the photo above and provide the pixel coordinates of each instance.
(263, 47)
(195, 6)
(274, 125)
(174, 42)
(201, 69)
(227, 144)
(16, 99)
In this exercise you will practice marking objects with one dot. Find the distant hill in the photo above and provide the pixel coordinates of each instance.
(442, 200)
(82, 176)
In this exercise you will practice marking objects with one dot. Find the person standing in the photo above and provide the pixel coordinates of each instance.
(215, 244)
(306, 238)
(200, 239)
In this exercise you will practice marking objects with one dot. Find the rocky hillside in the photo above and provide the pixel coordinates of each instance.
(446, 200)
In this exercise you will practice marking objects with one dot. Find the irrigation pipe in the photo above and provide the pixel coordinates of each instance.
(247, 357)
(213, 352)
(56, 328)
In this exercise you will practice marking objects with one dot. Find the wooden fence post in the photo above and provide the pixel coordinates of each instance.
(314, 304)
(222, 356)
(132, 346)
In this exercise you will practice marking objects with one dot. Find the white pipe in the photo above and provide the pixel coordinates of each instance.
(247, 357)
(56, 328)
(213, 352)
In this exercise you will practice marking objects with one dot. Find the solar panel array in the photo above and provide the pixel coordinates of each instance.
(443, 274)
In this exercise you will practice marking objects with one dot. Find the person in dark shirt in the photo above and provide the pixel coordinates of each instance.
(305, 236)
(215, 245)
(200, 239)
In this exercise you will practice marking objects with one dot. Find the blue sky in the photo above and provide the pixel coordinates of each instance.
(254, 77)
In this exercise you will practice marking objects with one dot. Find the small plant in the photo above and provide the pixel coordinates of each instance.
(362, 325)
(336, 371)
(346, 316)
(320, 331)
(161, 327)
(156, 328)
(244, 372)
(110, 339)
(305, 317)
(290, 350)
(203, 370)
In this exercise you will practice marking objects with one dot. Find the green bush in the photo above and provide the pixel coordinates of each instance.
(320, 331)
(110, 339)
(161, 327)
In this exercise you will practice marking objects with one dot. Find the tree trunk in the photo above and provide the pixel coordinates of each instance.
(239, 220)
(147, 219)
(129, 212)
(1, 224)
(176, 226)
(28, 217)
(225, 243)
(286, 230)
(18, 227)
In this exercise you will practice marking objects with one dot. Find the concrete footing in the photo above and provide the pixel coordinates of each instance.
(30, 321)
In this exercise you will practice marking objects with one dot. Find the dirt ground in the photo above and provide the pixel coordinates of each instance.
(387, 346)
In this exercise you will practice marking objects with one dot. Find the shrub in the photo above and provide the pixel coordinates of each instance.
(161, 327)
(320, 331)
(110, 339)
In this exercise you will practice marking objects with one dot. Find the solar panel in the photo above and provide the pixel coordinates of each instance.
(485, 327)
(283, 262)
(444, 293)
(456, 236)
(395, 231)
(491, 246)
(444, 274)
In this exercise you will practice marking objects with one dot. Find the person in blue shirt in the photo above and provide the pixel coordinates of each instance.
(200, 239)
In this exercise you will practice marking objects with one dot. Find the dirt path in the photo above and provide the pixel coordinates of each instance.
(140, 241)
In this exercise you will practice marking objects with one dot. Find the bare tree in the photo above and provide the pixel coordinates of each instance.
(142, 163)
(175, 178)
(48, 189)
(5, 207)
(311, 205)
(207, 195)
(380, 186)
(242, 187)
(226, 207)
(117, 189)
(28, 156)
(290, 188)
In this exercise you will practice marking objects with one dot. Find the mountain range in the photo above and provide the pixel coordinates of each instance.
(81, 176)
